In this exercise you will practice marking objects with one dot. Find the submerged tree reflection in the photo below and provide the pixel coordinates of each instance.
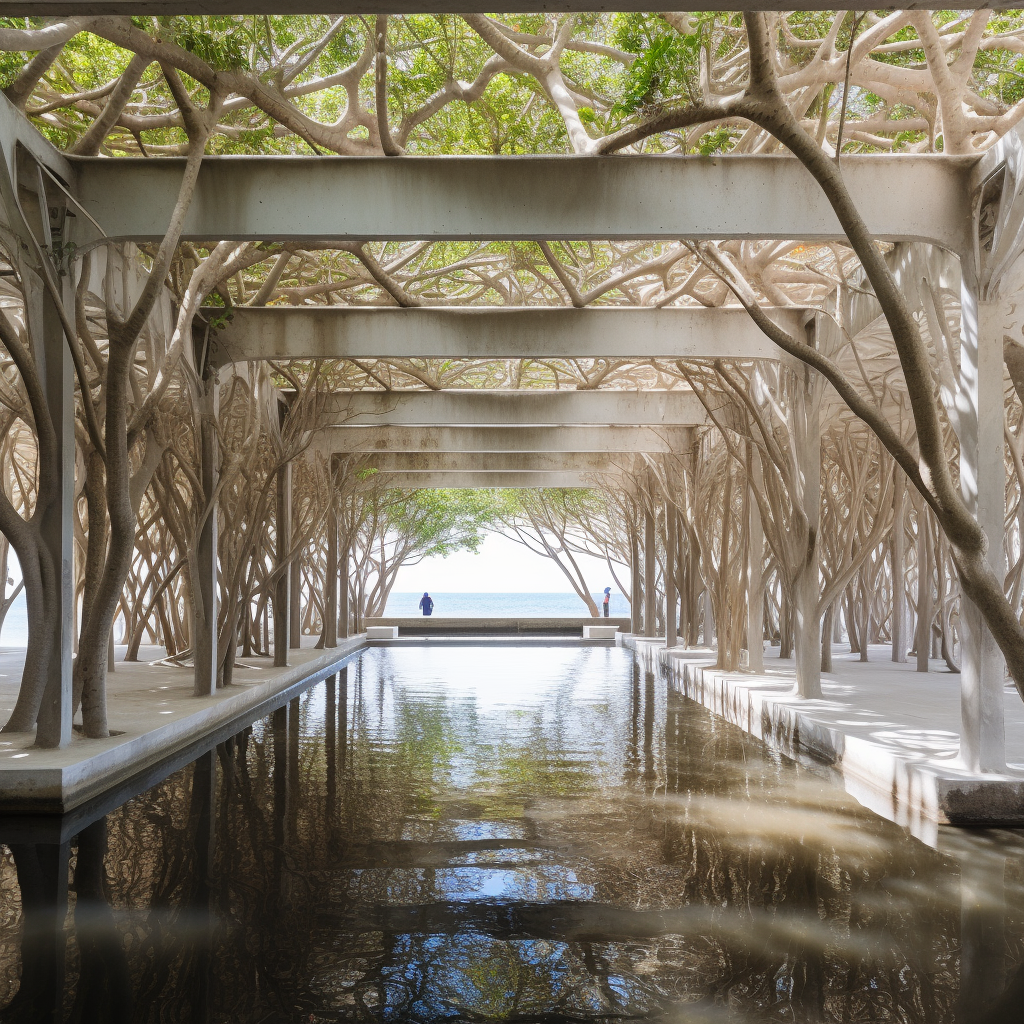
(399, 846)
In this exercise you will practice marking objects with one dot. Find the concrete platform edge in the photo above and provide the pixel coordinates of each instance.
(58, 790)
(917, 795)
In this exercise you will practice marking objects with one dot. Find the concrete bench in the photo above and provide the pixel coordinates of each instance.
(381, 632)
(599, 632)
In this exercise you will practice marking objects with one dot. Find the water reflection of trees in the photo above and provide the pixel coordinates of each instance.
(375, 852)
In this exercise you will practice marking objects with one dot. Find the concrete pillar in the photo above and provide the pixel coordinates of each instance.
(755, 571)
(807, 445)
(56, 369)
(295, 603)
(330, 625)
(650, 591)
(982, 487)
(634, 583)
(204, 598)
(898, 560)
(671, 609)
(282, 591)
(924, 591)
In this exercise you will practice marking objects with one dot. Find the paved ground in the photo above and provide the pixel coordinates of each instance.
(906, 711)
(142, 696)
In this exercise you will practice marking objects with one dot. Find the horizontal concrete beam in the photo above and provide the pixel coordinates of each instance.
(20, 8)
(505, 439)
(465, 481)
(514, 408)
(282, 332)
(492, 462)
(901, 197)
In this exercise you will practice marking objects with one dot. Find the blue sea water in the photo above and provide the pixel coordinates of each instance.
(501, 605)
(14, 632)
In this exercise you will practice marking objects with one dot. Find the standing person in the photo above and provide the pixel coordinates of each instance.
(607, 600)
(426, 603)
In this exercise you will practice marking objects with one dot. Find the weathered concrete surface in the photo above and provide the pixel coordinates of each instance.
(153, 709)
(488, 332)
(890, 731)
(914, 197)
(430, 625)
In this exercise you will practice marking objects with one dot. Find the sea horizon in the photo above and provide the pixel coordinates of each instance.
(501, 604)
(487, 605)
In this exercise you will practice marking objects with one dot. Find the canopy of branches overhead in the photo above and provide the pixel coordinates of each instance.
(590, 84)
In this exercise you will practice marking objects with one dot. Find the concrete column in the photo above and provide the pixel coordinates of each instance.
(650, 591)
(982, 487)
(755, 571)
(206, 593)
(898, 560)
(807, 444)
(282, 591)
(330, 626)
(923, 635)
(56, 369)
(634, 584)
(671, 604)
(295, 603)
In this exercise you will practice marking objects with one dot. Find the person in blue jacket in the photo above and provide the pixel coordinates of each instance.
(607, 600)
(427, 604)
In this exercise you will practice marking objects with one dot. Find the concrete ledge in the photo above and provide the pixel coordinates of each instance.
(905, 785)
(35, 781)
(381, 632)
(480, 640)
(600, 632)
(425, 625)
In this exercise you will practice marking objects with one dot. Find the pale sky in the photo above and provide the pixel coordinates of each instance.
(502, 566)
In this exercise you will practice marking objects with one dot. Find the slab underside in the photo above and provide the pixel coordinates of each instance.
(152, 707)
(892, 732)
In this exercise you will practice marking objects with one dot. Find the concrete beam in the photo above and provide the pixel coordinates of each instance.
(514, 408)
(370, 440)
(901, 197)
(464, 481)
(282, 332)
(20, 8)
(492, 462)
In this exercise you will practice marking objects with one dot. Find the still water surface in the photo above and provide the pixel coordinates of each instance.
(519, 834)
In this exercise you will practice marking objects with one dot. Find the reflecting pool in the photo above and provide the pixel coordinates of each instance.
(532, 834)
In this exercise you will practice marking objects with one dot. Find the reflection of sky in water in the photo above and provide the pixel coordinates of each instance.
(531, 835)
(450, 978)
(541, 883)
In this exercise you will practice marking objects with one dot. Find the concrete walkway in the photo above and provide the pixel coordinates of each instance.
(154, 714)
(893, 732)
